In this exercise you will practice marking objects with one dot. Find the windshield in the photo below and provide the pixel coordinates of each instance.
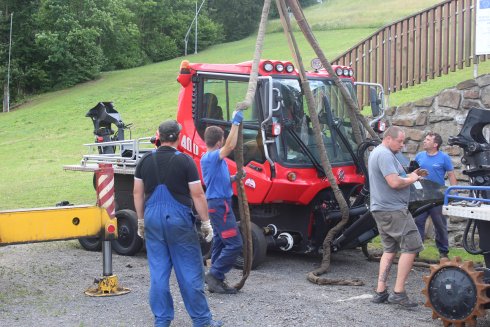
(297, 141)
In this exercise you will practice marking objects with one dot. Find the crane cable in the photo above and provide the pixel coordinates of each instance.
(245, 223)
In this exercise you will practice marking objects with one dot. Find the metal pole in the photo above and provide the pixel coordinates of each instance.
(186, 38)
(195, 34)
(107, 258)
(8, 66)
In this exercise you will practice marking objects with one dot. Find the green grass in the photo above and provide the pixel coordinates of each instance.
(434, 86)
(431, 253)
(47, 132)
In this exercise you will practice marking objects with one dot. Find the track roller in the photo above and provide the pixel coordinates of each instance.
(455, 292)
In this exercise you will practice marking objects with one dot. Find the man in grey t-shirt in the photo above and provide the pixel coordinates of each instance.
(390, 191)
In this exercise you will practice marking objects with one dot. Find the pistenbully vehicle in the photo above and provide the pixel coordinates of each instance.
(292, 206)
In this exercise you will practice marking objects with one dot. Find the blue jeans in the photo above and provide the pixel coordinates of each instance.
(171, 240)
(227, 241)
(440, 227)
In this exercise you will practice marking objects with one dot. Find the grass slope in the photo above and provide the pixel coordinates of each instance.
(47, 132)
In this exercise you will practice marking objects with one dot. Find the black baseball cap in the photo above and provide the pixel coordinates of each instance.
(169, 130)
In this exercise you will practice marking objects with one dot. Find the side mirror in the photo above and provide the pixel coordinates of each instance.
(375, 101)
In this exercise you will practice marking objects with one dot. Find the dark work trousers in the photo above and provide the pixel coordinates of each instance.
(440, 227)
(172, 240)
(227, 241)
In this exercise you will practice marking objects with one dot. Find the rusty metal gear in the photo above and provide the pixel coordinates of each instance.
(455, 292)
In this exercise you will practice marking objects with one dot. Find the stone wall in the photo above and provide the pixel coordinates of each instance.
(443, 113)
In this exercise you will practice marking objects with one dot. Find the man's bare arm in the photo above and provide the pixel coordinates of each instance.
(397, 182)
(139, 197)
(199, 199)
(230, 142)
(452, 177)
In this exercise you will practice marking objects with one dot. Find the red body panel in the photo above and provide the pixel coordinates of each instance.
(259, 186)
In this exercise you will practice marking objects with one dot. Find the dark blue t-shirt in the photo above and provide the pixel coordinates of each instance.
(216, 176)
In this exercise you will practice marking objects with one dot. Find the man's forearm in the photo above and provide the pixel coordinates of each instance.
(139, 198)
(201, 206)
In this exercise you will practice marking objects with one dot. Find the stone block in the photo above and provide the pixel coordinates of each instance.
(425, 102)
(467, 84)
(449, 98)
(407, 122)
(485, 96)
(452, 150)
(474, 93)
(468, 104)
(405, 109)
(483, 80)
(421, 119)
(414, 134)
(410, 147)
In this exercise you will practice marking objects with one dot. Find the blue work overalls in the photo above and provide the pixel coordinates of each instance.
(227, 241)
(172, 240)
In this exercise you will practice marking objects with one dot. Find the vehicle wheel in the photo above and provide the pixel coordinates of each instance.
(259, 245)
(91, 243)
(128, 242)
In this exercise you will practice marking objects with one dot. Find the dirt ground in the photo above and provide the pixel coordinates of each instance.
(43, 285)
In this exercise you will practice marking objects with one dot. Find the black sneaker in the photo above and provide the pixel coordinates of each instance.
(443, 255)
(380, 297)
(401, 299)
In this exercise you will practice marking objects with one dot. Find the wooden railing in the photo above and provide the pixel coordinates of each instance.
(410, 51)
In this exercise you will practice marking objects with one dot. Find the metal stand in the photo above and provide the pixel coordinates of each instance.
(108, 285)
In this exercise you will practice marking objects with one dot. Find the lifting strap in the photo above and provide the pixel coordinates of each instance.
(354, 115)
(242, 197)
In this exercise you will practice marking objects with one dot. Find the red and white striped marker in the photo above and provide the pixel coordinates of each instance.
(105, 188)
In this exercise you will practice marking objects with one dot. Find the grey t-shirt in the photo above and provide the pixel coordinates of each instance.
(382, 162)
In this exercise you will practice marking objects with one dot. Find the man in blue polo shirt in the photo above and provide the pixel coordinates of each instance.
(437, 163)
(227, 241)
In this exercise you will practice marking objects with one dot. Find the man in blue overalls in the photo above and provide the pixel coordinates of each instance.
(166, 185)
(227, 241)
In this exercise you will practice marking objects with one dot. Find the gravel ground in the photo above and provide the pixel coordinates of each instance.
(42, 285)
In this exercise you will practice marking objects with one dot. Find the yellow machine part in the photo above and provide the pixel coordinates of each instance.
(107, 286)
(54, 223)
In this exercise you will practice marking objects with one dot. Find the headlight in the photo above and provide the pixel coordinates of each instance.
(268, 66)
(280, 68)
(316, 64)
(339, 71)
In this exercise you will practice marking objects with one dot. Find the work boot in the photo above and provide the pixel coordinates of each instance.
(401, 299)
(228, 289)
(380, 297)
(443, 255)
(214, 284)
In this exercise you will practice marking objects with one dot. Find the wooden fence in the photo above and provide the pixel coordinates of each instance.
(410, 51)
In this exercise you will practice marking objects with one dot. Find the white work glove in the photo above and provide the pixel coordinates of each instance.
(141, 228)
(207, 230)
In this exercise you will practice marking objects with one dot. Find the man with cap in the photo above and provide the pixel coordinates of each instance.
(166, 185)
(227, 241)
